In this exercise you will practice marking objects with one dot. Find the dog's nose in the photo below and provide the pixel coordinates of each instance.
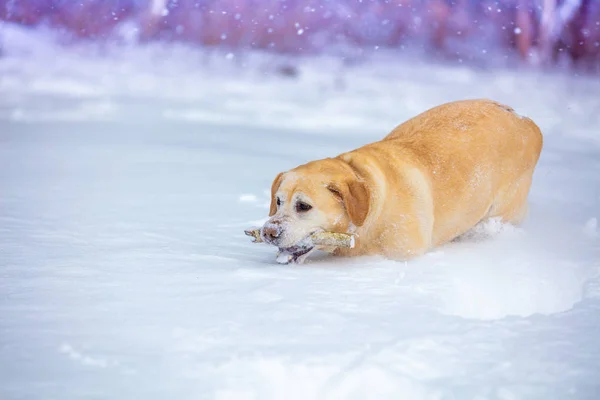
(271, 232)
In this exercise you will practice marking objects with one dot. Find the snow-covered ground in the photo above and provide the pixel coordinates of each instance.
(127, 176)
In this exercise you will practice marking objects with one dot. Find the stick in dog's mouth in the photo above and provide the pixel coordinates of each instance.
(297, 254)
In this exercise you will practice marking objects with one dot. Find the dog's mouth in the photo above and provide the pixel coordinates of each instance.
(297, 253)
(294, 254)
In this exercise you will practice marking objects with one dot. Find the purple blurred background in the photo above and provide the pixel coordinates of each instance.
(539, 32)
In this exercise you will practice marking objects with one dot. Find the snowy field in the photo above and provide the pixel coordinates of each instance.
(127, 176)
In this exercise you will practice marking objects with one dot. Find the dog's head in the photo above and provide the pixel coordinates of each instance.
(325, 195)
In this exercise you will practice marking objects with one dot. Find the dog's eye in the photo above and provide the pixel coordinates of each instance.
(278, 202)
(302, 207)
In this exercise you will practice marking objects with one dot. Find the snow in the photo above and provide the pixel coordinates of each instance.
(248, 198)
(127, 177)
(284, 258)
(591, 227)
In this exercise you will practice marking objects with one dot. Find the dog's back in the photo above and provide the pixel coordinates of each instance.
(480, 156)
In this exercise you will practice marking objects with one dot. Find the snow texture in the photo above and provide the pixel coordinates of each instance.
(127, 177)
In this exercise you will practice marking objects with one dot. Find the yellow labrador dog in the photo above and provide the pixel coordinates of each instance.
(430, 180)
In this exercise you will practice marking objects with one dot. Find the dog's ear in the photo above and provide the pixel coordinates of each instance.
(356, 197)
(274, 188)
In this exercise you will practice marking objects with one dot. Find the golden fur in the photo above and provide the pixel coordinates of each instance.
(430, 180)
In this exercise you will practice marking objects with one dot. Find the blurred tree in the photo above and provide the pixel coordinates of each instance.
(541, 31)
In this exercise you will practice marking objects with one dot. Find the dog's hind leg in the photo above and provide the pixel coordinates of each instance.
(511, 205)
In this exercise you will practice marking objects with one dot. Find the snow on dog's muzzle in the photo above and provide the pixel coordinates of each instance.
(271, 233)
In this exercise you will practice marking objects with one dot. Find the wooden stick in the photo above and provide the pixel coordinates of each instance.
(328, 239)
